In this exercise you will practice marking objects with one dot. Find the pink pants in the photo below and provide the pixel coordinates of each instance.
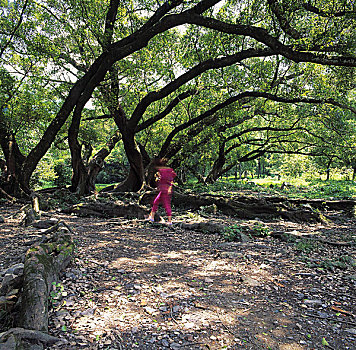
(165, 198)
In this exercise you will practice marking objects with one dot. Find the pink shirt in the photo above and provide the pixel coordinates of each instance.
(167, 176)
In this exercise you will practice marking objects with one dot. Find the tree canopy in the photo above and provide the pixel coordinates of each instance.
(209, 84)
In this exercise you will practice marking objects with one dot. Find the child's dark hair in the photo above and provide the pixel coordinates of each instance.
(160, 162)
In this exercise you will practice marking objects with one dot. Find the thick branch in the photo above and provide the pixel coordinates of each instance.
(262, 36)
(109, 23)
(2, 50)
(309, 7)
(283, 21)
(234, 99)
(166, 111)
(191, 74)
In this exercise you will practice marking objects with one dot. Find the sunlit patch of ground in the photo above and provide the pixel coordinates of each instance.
(137, 286)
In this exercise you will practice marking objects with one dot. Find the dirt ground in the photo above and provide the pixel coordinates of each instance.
(139, 285)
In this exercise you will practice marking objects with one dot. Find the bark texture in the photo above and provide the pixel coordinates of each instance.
(241, 207)
(42, 266)
(108, 210)
(252, 207)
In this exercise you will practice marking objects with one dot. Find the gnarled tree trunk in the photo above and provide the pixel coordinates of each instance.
(12, 179)
(216, 170)
(136, 179)
(42, 266)
(32, 285)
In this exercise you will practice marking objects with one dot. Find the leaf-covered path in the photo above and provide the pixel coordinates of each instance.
(134, 284)
(144, 286)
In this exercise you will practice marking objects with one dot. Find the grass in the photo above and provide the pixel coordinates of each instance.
(332, 189)
(296, 188)
(99, 187)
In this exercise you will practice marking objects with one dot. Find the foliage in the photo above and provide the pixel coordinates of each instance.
(342, 262)
(45, 174)
(297, 187)
(222, 186)
(258, 229)
(258, 104)
(306, 245)
(112, 173)
(56, 294)
(334, 189)
(62, 172)
(232, 233)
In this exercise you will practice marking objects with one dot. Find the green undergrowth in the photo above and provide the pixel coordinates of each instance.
(291, 188)
(233, 232)
(99, 187)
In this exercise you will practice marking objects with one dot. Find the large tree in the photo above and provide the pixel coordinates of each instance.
(194, 38)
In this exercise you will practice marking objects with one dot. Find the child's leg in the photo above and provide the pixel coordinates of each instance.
(166, 200)
(155, 206)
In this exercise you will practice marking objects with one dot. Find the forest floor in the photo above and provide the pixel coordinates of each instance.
(137, 285)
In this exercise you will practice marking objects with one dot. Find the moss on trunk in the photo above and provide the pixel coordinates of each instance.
(42, 266)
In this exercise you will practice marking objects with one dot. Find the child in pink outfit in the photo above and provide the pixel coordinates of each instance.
(166, 177)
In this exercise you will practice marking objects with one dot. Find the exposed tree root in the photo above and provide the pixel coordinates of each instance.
(240, 207)
(42, 266)
(6, 195)
(108, 210)
(14, 337)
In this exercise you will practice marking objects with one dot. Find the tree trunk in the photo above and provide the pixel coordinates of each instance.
(42, 266)
(328, 170)
(94, 168)
(135, 180)
(216, 170)
(86, 181)
(136, 177)
(79, 175)
(12, 180)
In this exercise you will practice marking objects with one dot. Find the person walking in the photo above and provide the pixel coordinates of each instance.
(165, 183)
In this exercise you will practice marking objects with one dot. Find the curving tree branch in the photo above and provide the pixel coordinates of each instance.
(17, 26)
(191, 74)
(262, 36)
(277, 10)
(311, 8)
(147, 123)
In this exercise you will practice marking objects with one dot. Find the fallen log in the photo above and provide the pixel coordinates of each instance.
(108, 209)
(15, 337)
(241, 207)
(42, 266)
(322, 204)
(248, 207)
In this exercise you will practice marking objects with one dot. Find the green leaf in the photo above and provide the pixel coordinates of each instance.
(324, 342)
